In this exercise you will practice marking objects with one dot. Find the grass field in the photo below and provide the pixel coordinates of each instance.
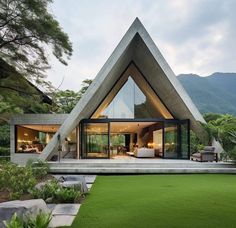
(160, 201)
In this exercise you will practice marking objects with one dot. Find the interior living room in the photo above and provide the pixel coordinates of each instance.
(143, 139)
(33, 138)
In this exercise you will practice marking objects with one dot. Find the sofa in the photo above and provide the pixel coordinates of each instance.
(206, 155)
(144, 153)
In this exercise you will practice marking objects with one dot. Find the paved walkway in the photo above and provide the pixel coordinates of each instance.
(64, 214)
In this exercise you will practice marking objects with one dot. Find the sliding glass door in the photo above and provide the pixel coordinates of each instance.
(171, 140)
(110, 137)
(95, 140)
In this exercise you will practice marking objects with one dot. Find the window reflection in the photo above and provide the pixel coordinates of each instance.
(130, 102)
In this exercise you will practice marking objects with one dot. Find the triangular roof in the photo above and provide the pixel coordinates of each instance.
(136, 46)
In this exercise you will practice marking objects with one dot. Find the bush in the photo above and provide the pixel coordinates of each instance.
(5, 135)
(17, 180)
(39, 168)
(232, 154)
(15, 222)
(47, 191)
(195, 144)
(4, 151)
(42, 220)
(67, 195)
(57, 193)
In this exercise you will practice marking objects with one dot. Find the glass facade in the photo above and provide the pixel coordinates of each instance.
(95, 140)
(130, 102)
(113, 129)
(107, 138)
(184, 139)
(171, 140)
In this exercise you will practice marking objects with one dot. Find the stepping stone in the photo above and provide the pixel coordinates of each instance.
(61, 220)
(66, 209)
(51, 206)
(90, 178)
(89, 186)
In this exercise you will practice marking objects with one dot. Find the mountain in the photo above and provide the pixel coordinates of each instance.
(215, 93)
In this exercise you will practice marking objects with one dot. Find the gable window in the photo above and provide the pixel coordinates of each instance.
(131, 97)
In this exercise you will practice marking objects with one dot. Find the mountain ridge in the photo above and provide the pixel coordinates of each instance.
(214, 93)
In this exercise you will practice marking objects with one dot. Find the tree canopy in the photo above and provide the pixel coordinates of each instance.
(223, 129)
(27, 31)
(65, 101)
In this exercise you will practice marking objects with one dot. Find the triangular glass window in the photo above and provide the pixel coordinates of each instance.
(128, 100)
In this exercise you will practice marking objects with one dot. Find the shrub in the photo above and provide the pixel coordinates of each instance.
(39, 168)
(17, 180)
(232, 154)
(58, 194)
(67, 195)
(47, 191)
(15, 222)
(42, 220)
(195, 144)
(4, 151)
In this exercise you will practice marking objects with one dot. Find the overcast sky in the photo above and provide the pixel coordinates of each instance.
(195, 36)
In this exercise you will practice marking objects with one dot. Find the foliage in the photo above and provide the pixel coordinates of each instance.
(4, 135)
(67, 195)
(223, 129)
(195, 144)
(47, 191)
(41, 220)
(232, 154)
(211, 116)
(4, 151)
(27, 31)
(15, 222)
(65, 101)
(17, 180)
(39, 168)
(55, 191)
(17, 95)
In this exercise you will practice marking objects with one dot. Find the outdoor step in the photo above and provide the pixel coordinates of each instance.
(112, 170)
(142, 165)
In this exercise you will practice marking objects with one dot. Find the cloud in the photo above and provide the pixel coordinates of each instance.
(194, 36)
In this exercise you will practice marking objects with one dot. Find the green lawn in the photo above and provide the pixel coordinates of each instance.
(190, 201)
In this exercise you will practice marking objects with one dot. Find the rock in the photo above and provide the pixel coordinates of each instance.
(22, 209)
(40, 185)
(76, 181)
(49, 200)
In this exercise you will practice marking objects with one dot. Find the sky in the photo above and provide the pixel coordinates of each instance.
(194, 36)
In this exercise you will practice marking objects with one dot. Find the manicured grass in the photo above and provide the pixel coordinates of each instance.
(164, 201)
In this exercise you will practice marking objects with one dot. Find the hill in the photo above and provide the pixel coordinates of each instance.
(215, 93)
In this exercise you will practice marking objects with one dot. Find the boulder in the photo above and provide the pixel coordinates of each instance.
(22, 209)
(74, 181)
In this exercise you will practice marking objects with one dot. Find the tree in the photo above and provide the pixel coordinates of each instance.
(65, 101)
(27, 29)
(223, 129)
